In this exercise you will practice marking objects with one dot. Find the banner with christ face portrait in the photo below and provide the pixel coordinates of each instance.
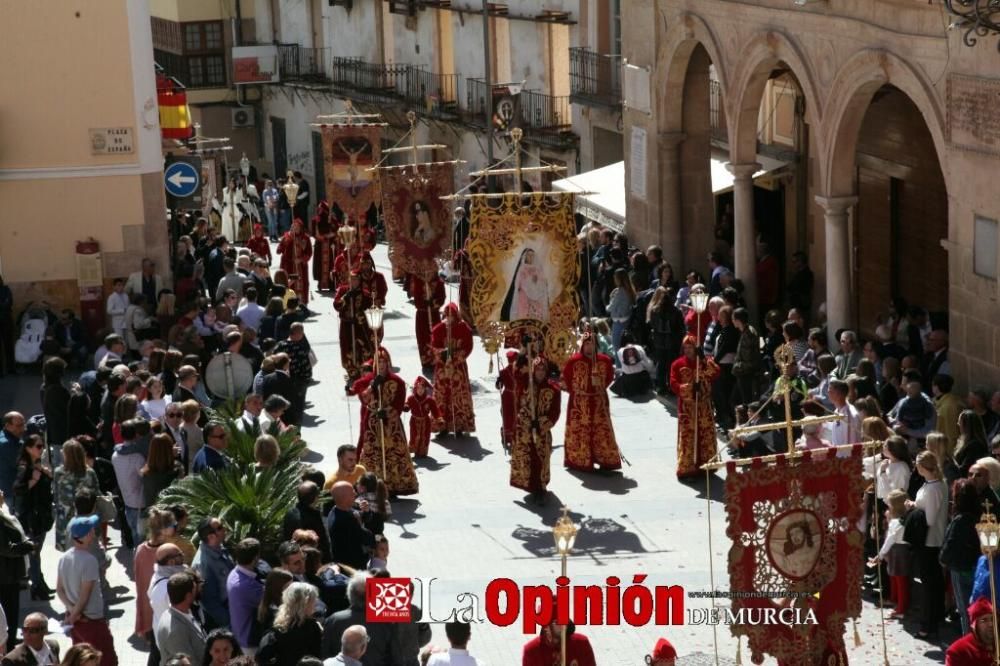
(417, 219)
(349, 151)
(796, 545)
(524, 258)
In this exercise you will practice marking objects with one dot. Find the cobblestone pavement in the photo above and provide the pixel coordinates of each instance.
(467, 526)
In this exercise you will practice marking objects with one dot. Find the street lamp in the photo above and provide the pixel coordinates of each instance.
(374, 317)
(291, 190)
(245, 166)
(564, 533)
(989, 543)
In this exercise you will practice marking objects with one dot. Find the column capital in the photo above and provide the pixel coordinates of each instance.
(836, 205)
(671, 138)
(743, 171)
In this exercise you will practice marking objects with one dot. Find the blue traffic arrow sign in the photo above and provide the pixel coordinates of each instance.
(181, 179)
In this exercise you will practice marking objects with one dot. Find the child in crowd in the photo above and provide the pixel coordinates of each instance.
(895, 552)
(380, 554)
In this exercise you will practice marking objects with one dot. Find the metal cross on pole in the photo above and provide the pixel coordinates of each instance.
(783, 388)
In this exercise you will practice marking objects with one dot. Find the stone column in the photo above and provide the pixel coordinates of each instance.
(838, 264)
(745, 230)
(671, 228)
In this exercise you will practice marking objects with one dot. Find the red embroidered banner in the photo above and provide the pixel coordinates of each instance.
(796, 544)
(417, 219)
(349, 151)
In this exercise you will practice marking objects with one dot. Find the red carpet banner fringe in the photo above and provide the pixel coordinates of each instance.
(524, 257)
(417, 220)
(348, 152)
(796, 544)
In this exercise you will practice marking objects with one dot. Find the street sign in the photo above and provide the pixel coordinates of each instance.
(182, 176)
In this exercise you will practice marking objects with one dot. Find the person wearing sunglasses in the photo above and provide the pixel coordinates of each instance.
(36, 648)
(212, 455)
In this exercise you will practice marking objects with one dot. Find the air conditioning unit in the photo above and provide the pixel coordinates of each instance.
(242, 117)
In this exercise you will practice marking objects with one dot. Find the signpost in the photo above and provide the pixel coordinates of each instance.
(182, 182)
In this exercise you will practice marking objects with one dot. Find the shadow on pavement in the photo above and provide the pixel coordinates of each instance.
(597, 537)
(464, 447)
(716, 487)
(615, 483)
(429, 463)
(404, 512)
(311, 456)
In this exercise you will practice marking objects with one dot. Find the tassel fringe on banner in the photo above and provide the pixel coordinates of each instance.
(857, 636)
(739, 651)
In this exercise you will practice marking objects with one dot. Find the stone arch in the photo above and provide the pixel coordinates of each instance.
(687, 31)
(759, 56)
(855, 85)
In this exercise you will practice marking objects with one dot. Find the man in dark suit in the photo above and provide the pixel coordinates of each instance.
(72, 341)
(301, 207)
(114, 389)
(348, 536)
(380, 634)
(187, 379)
(306, 516)
(36, 650)
(280, 383)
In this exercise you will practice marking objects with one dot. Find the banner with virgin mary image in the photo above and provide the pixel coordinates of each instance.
(797, 554)
(524, 258)
(417, 219)
(349, 151)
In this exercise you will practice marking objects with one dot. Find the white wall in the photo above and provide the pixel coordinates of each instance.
(352, 34)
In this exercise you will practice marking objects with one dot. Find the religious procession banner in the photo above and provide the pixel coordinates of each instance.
(523, 254)
(796, 545)
(417, 219)
(349, 151)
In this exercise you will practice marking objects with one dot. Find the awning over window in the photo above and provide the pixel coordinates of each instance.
(722, 180)
(606, 203)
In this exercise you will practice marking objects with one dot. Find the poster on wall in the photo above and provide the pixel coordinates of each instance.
(417, 219)
(524, 257)
(349, 151)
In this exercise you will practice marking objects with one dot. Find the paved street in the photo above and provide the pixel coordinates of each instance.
(467, 526)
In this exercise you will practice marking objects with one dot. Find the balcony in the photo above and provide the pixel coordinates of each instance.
(595, 79)
(536, 111)
(370, 82)
(300, 63)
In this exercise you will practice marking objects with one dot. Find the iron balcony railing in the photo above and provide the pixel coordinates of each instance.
(535, 110)
(302, 63)
(432, 94)
(595, 79)
(371, 82)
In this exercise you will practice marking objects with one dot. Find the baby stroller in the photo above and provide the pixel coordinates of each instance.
(34, 322)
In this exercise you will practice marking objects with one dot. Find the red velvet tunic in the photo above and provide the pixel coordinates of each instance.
(400, 477)
(451, 374)
(424, 415)
(531, 451)
(356, 343)
(540, 653)
(590, 436)
(428, 299)
(691, 454)
(296, 251)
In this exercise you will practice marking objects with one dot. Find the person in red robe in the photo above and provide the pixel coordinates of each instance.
(545, 649)
(259, 245)
(383, 397)
(356, 340)
(324, 236)
(664, 654)
(976, 648)
(684, 371)
(590, 436)
(296, 251)
(372, 280)
(349, 257)
(428, 298)
(451, 341)
(507, 385)
(425, 416)
(538, 406)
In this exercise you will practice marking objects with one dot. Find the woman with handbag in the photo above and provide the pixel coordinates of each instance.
(15, 547)
(33, 507)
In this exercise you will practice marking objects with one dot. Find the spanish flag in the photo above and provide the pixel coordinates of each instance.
(175, 118)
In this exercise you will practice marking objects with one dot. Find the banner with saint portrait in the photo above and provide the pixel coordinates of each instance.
(417, 219)
(523, 254)
(796, 545)
(349, 151)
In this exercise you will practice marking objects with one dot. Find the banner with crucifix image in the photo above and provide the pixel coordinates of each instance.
(524, 258)
(417, 219)
(349, 151)
(796, 545)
